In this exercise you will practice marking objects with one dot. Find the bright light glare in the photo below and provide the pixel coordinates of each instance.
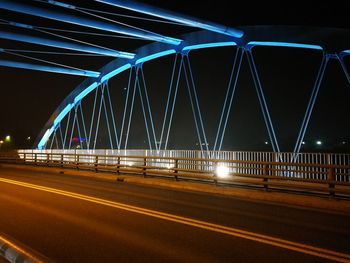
(319, 143)
(1, 142)
(130, 163)
(222, 171)
(7, 138)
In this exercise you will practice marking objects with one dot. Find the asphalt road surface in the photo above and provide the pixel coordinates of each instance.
(77, 219)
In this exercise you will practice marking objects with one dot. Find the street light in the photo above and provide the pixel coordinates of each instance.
(222, 171)
(8, 138)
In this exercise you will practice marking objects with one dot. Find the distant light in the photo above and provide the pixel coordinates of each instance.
(222, 171)
(319, 142)
(1, 142)
(7, 138)
(266, 143)
(343, 142)
(78, 139)
(302, 142)
(29, 138)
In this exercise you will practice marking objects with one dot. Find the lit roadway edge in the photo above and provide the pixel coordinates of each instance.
(277, 242)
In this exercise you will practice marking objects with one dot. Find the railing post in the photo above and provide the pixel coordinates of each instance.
(265, 174)
(24, 158)
(96, 163)
(215, 175)
(144, 166)
(77, 161)
(331, 180)
(62, 160)
(35, 159)
(175, 170)
(275, 159)
(118, 165)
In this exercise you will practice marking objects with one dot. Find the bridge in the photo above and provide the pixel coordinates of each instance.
(127, 105)
(187, 128)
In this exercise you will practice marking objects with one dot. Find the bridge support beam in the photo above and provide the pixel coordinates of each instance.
(226, 109)
(172, 95)
(57, 16)
(128, 108)
(192, 93)
(146, 108)
(311, 103)
(173, 16)
(65, 45)
(342, 63)
(262, 101)
(61, 70)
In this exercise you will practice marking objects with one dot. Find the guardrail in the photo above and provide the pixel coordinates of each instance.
(265, 174)
(341, 159)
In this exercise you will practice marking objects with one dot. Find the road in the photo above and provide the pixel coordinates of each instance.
(77, 219)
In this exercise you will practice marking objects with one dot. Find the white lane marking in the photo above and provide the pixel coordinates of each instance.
(277, 242)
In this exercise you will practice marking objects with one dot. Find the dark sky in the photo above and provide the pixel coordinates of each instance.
(28, 98)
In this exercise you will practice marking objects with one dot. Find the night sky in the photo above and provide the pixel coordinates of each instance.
(28, 98)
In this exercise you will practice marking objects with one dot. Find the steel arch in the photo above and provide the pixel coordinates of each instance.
(254, 36)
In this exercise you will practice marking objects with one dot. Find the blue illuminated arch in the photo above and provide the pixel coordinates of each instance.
(192, 41)
(252, 44)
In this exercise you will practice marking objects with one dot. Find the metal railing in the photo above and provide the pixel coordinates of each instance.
(306, 172)
(322, 173)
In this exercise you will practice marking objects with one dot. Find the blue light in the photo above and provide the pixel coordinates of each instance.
(154, 56)
(172, 16)
(252, 44)
(65, 45)
(61, 70)
(61, 4)
(345, 52)
(209, 45)
(56, 122)
(62, 114)
(85, 92)
(86, 22)
(21, 25)
(45, 138)
(115, 72)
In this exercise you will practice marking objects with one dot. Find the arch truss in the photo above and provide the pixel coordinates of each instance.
(57, 136)
(70, 126)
